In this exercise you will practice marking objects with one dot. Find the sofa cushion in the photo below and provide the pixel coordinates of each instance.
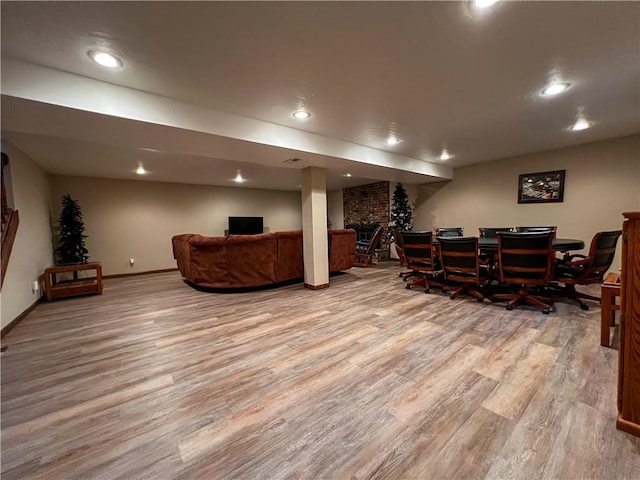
(208, 262)
(290, 263)
(342, 248)
(251, 259)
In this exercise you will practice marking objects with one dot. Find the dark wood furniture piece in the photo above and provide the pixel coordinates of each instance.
(609, 291)
(365, 250)
(585, 270)
(558, 244)
(449, 232)
(421, 258)
(525, 260)
(55, 288)
(403, 261)
(462, 266)
(629, 355)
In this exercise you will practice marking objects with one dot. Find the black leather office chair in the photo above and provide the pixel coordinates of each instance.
(553, 229)
(462, 265)
(421, 259)
(525, 260)
(488, 256)
(579, 269)
(491, 232)
(449, 232)
(403, 261)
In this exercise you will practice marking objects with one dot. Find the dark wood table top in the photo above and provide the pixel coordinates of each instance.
(559, 244)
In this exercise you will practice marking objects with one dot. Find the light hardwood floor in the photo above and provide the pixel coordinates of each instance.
(362, 380)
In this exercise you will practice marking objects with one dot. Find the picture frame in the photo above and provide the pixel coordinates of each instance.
(541, 187)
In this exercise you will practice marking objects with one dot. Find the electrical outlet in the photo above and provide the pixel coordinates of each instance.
(35, 286)
(132, 261)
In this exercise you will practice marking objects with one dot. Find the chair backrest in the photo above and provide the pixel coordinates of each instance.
(601, 253)
(553, 229)
(419, 251)
(449, 232)
(490, 232)
(374, 242)
(525, 258)
(459, 258)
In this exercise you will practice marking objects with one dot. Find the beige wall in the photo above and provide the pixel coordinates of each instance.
(136, 219)
(32, 250)
(602, 181)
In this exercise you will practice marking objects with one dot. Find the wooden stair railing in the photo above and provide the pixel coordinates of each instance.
(9, 230)
(9, 225)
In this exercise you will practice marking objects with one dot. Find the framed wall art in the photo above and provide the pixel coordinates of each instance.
(542, 187)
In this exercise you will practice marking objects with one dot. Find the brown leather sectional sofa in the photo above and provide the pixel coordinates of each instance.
(254, 260)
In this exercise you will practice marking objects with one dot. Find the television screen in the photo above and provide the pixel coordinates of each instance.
(245, 225)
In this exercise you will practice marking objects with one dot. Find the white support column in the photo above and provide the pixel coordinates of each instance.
(314, 228)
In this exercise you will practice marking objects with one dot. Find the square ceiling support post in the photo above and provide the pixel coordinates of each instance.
(314, 228)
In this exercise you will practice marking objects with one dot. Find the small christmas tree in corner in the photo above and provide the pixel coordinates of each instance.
(401, 211)
(71, 249)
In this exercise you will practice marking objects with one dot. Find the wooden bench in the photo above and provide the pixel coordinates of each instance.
(609, 291)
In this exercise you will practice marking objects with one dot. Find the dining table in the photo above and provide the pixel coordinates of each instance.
(490, 244)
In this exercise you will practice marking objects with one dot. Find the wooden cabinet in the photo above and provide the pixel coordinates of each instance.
(54, 288)
(629, 355)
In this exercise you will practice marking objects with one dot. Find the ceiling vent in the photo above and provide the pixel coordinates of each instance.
(292, 160)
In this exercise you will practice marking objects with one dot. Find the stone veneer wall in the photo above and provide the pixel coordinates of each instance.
(368, 204)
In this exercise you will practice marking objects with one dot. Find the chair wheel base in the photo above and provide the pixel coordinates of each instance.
(509, 307)
(584, 307)
(479, 300)
(408, 287)
(546, 311)
(452, 297)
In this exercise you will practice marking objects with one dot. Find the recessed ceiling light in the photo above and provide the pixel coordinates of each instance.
(554, 89)
(301, 114)
(392, 140)
(484, 3)
(347, 174)
(239, 178)
(445, 155)
(140, 170)
(105, 59)
(581, 124)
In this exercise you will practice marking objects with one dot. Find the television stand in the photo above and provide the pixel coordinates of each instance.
(55, 288)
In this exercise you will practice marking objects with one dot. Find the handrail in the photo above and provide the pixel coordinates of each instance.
(9, 231)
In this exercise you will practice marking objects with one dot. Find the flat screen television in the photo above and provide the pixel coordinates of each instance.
(245, 225)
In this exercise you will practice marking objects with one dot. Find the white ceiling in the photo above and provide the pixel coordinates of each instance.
(226, 76)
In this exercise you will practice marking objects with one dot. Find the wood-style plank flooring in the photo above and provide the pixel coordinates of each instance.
(366, 379)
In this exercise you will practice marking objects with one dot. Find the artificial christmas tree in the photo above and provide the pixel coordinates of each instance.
(401, 211)
(71, 249)
(401, 219)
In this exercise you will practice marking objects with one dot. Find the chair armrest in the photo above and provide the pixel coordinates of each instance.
(577, 263)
